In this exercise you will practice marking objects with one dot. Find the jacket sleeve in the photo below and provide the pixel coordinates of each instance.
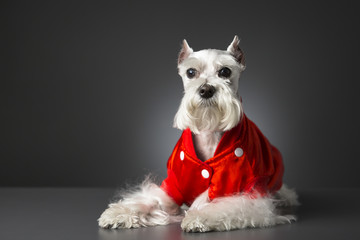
(170, 184)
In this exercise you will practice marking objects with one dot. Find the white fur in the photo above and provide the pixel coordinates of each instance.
(219, 113)
(205, 144)
(148, 205)
(235, 212)
(286, 197)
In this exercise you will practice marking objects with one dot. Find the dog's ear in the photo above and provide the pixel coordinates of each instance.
(235, 50)
(185, 51)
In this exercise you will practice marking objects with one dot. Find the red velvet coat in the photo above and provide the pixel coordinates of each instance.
(244, 162)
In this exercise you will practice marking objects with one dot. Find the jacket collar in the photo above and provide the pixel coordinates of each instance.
(227, 141)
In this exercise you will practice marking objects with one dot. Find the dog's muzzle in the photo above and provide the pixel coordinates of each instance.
(206, 91)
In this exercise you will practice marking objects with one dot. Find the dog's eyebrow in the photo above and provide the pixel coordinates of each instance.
(191, 62)
(226, 61)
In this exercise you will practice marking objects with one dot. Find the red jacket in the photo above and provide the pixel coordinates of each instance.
(244, 162)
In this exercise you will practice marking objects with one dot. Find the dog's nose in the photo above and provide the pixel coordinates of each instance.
(206, 91)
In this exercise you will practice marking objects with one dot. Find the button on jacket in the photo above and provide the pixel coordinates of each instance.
(244, 162)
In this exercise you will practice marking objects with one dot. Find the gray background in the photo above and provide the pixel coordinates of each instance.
(89, 89)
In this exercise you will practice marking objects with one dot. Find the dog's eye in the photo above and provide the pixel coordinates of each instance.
(191, 72)
(224, 72)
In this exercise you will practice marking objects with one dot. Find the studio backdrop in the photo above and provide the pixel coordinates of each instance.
(89, 89)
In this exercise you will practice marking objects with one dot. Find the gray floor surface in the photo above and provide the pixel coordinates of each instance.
(71, 213)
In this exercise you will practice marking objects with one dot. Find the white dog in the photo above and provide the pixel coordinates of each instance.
(222, 166)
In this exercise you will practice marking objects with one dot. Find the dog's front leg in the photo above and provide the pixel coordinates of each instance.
(146, 206)
(195, 220)
(234, 212)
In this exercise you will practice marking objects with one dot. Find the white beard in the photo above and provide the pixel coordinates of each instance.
(220, 113)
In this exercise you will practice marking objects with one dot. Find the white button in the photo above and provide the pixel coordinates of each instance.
(182, 155)
(205, 173)
(239, 152)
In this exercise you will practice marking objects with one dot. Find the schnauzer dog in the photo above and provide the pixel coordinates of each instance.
(223, 168)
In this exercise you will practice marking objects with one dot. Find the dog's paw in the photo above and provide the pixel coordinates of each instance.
(117, 216)
(194, 223)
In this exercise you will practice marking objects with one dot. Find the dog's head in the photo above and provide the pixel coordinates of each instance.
(211, 80)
